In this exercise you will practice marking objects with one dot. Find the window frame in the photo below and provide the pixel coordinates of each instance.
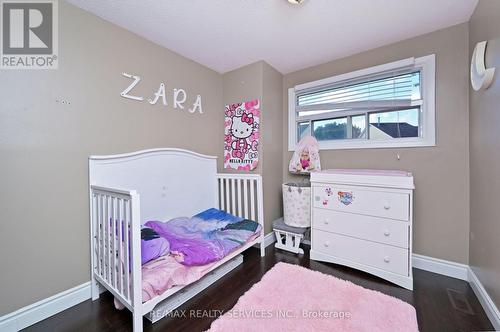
(427, 127)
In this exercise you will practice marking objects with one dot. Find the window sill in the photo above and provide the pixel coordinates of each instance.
(364, 144)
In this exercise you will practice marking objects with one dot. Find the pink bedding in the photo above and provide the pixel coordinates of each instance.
(165, 272)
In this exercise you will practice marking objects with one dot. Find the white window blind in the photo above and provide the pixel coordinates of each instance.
(375, 104)
(391, 91)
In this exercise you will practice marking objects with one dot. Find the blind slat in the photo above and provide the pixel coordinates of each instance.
(402, 87)
(360, 95)
(354, 91)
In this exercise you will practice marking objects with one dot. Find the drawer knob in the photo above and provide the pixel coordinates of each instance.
(326, 222)
(387, 233)
(387, 207)
(327, 244)
(387, 259)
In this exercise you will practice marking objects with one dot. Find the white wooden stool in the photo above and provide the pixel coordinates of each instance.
(287, 237)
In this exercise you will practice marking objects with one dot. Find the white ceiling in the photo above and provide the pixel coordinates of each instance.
(227, 34)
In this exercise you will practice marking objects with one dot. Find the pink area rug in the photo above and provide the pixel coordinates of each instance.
(293, 298)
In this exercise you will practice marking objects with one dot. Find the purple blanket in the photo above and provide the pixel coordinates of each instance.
(206, 237)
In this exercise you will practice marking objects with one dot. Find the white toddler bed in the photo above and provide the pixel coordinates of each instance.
(160, 184)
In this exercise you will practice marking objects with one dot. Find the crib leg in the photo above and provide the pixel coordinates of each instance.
(137, 324)
(94, 286)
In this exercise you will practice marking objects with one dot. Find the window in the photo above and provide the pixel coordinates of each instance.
(391, 105)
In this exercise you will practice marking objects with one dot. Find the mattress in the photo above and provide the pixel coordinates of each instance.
(165, 272)
(196, 245)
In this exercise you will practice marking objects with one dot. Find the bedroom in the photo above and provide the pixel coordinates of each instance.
(135, 76)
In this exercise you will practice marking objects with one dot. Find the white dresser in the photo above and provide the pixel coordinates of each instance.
(363, 219)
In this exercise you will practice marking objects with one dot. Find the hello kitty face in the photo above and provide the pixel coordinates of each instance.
(242, 126)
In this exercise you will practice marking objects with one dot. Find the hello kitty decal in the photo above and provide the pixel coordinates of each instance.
(241, 128)
(241, 146)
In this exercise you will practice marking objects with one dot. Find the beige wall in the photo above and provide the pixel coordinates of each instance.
(441, 218)
(272, 143)
(44, 231)
(261, 81)
(45, 143)
(485, 155)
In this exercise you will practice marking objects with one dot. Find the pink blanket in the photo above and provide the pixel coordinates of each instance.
(165, 272)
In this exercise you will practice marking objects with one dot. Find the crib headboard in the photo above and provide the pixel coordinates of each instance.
(171, 182)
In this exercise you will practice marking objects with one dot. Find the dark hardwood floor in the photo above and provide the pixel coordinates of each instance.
(442, 303)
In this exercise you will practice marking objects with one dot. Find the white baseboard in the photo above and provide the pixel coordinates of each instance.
(45, 308)
(50, 306)
(269, 239)
(463, 272)
(486, 301)
(441, 266)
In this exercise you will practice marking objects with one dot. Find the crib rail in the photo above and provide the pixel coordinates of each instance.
(239, 195)
(116, 242)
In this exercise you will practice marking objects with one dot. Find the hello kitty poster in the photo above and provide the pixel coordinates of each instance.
(241, 135)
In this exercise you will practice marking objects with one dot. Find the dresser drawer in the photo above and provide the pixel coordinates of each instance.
(364, 252)
(382, 204)
(376, 229)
